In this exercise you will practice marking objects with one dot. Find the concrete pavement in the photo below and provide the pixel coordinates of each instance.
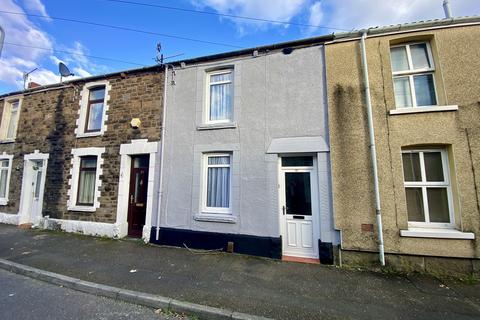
(245, 284)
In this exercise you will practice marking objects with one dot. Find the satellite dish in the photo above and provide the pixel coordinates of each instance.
(63, 70)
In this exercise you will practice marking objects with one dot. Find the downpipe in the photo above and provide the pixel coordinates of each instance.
(162, 151)
(373, 150)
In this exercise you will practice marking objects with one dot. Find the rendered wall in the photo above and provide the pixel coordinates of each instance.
(275, 96)
(456, 55)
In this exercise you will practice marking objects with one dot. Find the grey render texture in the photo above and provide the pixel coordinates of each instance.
(276, 95)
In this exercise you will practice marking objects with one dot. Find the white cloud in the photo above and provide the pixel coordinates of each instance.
(356, 14)
(81, 72)
(35, 6)
(280, 10)
(315, 15)
(16, 60)
(19, 29)
(343, 14)
(43, 76)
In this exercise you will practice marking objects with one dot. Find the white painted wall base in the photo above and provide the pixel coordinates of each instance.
(9, 218)
(99, 229)
(146, 233)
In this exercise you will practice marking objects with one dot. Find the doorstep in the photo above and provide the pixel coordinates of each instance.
(301, 259)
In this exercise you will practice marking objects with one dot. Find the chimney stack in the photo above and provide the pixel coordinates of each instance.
(32, 85)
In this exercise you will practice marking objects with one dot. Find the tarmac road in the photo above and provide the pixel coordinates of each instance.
(26, 298)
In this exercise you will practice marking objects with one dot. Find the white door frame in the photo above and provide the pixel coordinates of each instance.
(26, 195)
(314, 192)
(127, 150)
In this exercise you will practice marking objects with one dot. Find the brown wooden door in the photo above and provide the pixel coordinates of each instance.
(137, 200)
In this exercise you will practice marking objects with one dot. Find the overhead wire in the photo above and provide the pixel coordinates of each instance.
(122, 28)
(233, 16)
(74, 53)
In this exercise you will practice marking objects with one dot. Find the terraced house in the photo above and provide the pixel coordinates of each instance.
(352, 148)
(81, 156)
(420, 81)
(246, 164)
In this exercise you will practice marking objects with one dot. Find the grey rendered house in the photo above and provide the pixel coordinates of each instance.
(246, 154)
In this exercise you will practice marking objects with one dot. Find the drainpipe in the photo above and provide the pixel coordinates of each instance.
(2, 38)
(162, 149)
(446, 9)
(373, 150)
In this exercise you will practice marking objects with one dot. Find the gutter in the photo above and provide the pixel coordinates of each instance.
(373, 150)
(162, 150)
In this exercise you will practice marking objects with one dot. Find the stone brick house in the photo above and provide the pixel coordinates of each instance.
(68, 152)
(425, 101)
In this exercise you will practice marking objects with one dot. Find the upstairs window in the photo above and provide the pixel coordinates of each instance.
(96, 101)
(93, 109)
(11, 112)
(428, 188)
(413, 75)
(219, 96)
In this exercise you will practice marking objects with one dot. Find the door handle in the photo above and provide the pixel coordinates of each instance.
(283, 210)
(131, 198)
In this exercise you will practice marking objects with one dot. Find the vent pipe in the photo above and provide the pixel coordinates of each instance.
(446, 8)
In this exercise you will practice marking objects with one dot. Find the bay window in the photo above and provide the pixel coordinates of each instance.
(413, 75)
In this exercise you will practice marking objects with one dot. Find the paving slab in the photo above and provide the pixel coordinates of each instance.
(244, 284)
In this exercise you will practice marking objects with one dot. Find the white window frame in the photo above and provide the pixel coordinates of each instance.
(207, 95)
(6, 114)
(4, 156)
(205, 166)
(75, 174)
(83, 112)
(426, 184)
(414, 72)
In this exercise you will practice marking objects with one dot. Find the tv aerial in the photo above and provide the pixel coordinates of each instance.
(64, 71)
(25, 77)
(159, 58)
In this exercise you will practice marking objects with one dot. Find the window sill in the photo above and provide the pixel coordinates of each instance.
(89, 134)
(7, 141)
(215, 217)
(215, 126)
(423, 109)
(3, 202)
(81, 208)
(437, 233)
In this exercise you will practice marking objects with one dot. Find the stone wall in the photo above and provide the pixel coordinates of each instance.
(47, 123)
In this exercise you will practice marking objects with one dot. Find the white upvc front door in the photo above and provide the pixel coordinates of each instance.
(31, 202)
(299, 208)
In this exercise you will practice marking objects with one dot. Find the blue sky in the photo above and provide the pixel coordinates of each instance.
(140, 48)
